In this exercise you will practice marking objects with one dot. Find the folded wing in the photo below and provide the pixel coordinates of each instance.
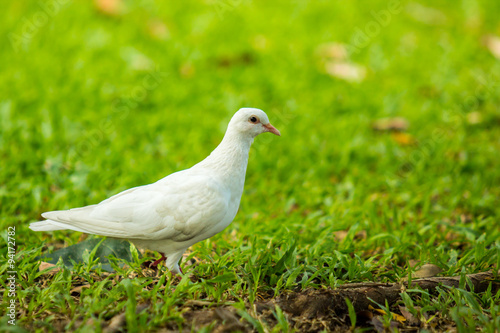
(179, 207)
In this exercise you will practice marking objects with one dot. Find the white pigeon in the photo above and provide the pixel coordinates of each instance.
(179, 210)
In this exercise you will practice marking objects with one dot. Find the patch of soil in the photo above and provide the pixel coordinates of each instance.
(326, 309)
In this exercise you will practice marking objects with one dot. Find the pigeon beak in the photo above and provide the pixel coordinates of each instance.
(272, 129)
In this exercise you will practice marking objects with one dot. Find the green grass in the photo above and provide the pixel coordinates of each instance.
(92, 104)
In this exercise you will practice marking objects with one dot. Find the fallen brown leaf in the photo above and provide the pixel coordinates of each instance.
(409, 317)
(198, 303)
(332, 51)
(427, 270)
(187, 70)
(78, 290)
(492, 43)
(474, 118)
(342, 234)
(110, 7)
(413, 262)
(157, 29)
(333, 59)
(395, 316)
(390, 124)
(229, 318)
(118, 322)
(426, 15)
(45, 265)
(360, 235)
(346, 71)
(82, 237)
(379, 325)
(403, 139)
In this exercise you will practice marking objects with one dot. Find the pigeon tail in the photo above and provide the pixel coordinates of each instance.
(49, 225)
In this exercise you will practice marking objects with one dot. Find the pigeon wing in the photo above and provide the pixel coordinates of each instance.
(179, 208)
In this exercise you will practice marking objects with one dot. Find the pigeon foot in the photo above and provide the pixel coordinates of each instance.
(163, 258)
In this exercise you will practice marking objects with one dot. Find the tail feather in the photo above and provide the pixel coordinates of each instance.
(49, 225)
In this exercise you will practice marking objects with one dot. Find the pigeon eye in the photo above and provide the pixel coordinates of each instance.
(253, 119)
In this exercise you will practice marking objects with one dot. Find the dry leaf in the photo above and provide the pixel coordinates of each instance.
(78, 290)
(332, 51)
(346, 71)
(409, 317)
(492, 42)
(333, 60)
(82, 237)
(427, 270)
(390, 124)
(377, 324)
(403, 139)
(198, 303)
(116, 324)
(44, 265)
(474, 118)
(413, 262)
(230, 318)
(187, 70)
(110, 7)
(340, 235)
(360, 235)
(466, 218)
(395, 316)
(157, 29)
(426, 15)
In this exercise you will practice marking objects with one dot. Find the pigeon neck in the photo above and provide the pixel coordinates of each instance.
(230, 158)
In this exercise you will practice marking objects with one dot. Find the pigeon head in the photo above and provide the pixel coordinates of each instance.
(252, 122)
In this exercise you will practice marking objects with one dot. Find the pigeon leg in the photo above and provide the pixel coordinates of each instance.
(163, 258)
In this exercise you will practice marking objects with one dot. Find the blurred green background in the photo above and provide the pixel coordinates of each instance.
(389, 114)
